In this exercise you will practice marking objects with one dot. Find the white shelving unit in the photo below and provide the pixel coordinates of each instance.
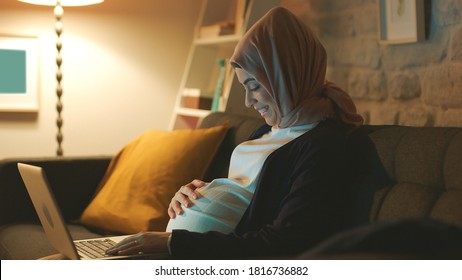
(202, 68)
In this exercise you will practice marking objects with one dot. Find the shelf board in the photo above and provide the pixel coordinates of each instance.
(199, 113)
(233, 38)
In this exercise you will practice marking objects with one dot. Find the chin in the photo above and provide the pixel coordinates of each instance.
(269, 119)
(270, 122)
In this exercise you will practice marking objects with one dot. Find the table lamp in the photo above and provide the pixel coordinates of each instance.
(58, 12)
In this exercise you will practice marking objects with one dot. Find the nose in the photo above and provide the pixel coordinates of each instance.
(249, 99)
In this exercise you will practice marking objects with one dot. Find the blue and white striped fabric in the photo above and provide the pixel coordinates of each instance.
(223, 201)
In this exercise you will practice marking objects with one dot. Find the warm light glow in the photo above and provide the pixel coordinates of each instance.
(63, 2)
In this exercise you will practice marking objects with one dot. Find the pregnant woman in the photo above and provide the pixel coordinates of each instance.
(288, 185)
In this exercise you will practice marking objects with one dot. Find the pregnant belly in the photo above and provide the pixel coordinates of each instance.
(220, 208)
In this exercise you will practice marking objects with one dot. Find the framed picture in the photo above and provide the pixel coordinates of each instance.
(19, 87)
(401, 21)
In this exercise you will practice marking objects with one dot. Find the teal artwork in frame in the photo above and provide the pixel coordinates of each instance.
(13, 71)
(19, 75)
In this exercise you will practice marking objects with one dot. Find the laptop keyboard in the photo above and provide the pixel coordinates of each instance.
(94, 248)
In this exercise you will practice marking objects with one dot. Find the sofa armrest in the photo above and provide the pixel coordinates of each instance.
(73, 181)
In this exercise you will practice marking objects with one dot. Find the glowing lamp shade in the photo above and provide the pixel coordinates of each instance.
(64, 3)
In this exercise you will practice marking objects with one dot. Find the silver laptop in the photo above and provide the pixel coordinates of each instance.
(53, 223)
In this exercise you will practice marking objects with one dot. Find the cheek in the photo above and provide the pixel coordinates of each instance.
(266, 98)
(273, 106)
(272, 116)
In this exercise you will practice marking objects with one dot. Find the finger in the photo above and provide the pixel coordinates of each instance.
(170, 211)
(182, 199)
(188, 191)
(174, 208)
(198, 183)
(123, 246)
(133, 240)
(130, 249)
(178, 207)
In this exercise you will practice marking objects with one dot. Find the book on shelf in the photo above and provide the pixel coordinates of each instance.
(192, 99)
(217, 29)
(232, 25)
(218, 93)
(222, 85)
(228, 80)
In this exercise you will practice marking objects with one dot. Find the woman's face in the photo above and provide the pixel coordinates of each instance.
(257, 97)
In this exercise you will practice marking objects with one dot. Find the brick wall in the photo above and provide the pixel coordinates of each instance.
(417, 84)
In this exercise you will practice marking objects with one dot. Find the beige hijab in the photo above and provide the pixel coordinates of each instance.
(286, 58)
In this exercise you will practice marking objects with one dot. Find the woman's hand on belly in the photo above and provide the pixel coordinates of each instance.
(183, 197)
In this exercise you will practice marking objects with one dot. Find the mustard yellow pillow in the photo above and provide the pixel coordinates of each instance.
(143, 177)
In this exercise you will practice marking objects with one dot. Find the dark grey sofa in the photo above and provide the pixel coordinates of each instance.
(405, 173)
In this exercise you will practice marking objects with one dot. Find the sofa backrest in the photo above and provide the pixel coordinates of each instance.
(404, 171)
(425, 168)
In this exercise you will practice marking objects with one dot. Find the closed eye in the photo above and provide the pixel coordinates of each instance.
(251, 84)
(254, 88)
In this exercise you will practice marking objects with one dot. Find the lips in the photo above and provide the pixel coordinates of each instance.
(262, 110)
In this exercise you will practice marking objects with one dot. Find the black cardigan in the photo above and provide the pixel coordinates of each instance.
(301, 199)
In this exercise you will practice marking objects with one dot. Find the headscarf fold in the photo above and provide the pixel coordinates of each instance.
(287, 59)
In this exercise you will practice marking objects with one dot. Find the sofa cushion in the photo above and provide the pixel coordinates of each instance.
(27, 241)
(419, 238)
(143, 177)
